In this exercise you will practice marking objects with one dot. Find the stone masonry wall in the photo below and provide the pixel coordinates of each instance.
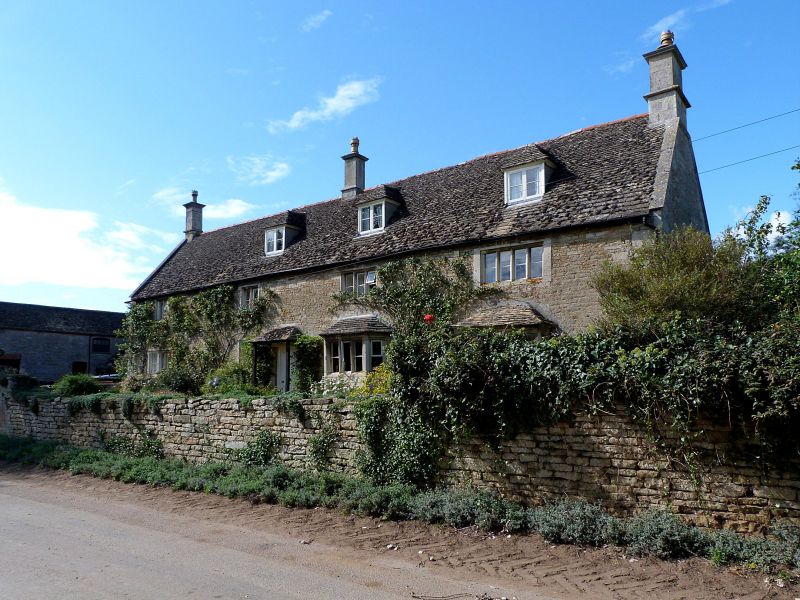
(195, 429)
(601, 458)
(564, 296)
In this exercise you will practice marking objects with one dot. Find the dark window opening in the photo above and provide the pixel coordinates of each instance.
(79, 367)
(101, 345)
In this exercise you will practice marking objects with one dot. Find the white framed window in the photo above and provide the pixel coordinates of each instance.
(159, 309)
(375, 353)
(359, 282)
(249, 296)
(371, 218)
(355, 355)
(274, 240)
(156, 361)
(525, 184)
(513, 264)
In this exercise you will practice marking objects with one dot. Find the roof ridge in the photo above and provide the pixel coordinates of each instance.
(95, 310)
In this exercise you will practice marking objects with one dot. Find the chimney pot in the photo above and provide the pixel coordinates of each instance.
(667, 38)
(194, 195)
(354, 145)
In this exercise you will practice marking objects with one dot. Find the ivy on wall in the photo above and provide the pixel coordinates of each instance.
(199, 332)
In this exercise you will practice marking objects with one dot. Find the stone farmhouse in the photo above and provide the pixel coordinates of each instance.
(536, 221)
(49, 341)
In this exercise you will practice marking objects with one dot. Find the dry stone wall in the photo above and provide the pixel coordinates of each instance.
(195, 429)
(601, 458)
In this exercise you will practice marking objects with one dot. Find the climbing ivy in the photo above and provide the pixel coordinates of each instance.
(199, 331)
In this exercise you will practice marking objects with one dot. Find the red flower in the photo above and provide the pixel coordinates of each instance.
(429, 318)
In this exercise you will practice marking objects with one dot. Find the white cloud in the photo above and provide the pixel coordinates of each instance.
(133, 236)
(68, 248)
(348, 97)
(228, 209)
(624, 66)
(315, 21)
(174, 198)
(679, 20)
(675, 20)
(258, 170)
(125, 186)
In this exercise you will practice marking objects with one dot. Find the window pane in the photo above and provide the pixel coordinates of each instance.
(360, 289)
(532, 179)
(270, 241)
(365, 218)
(371, 277)
(279, 239)
(515, 186)
(102, 345)
(377, 348)
(348, 282)
(490, 267)
(358, 352)
(377, 216)
(346, 356)
(334, 348)
(520, 266)
(505, 265)
(536, 261)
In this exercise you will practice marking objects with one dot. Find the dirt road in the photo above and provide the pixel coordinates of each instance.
(79, 537)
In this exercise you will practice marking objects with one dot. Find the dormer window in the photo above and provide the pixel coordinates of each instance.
(274, 241)
(525, 184)
(371, 218)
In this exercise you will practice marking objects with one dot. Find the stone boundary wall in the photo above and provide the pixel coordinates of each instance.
(195, 429)
(602, 458)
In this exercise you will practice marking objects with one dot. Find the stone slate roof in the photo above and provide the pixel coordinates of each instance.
(34, 317)
(279, 334)
(358, 325)
(504, 314)
(603, 173)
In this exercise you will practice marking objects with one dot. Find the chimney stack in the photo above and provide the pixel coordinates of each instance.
(353, 171)
(666, 100)
(194, 217)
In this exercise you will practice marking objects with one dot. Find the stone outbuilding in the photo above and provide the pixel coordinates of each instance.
(49, 341)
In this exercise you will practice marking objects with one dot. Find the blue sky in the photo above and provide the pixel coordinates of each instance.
(111, 112)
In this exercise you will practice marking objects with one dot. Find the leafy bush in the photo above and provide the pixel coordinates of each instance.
(232, 379)
(684, 272)
(76, 385)
(186, 377)
(90, 402)
(307, 362)
(320, 446)
(461, 508)
(260, 451)
(377, 382)
(145, 444)
(660, 533)
(289, 404)
(20, 381)
(576, 522)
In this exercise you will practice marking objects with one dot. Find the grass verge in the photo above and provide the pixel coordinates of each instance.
(656, 532)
